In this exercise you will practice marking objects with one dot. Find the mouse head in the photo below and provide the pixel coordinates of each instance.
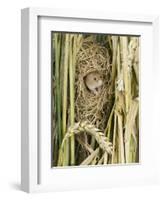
(97, 78)
(93, 80)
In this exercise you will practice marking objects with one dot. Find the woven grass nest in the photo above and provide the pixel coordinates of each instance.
(93, 57)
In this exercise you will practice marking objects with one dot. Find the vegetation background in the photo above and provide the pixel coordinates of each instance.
(93, 129)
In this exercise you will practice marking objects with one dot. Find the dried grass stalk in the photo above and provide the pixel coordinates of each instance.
(64, 99)
(90, 158)
(130, 121)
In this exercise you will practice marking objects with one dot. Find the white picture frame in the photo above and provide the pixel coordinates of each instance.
(36, 172)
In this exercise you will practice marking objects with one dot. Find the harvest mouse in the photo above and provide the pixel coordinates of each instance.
(94, 81)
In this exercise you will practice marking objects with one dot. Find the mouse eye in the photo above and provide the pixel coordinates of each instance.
(95, 78)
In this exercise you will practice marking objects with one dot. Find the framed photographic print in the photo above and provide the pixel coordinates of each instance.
(88, 86)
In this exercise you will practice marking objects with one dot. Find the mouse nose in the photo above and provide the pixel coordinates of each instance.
(100, 82)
